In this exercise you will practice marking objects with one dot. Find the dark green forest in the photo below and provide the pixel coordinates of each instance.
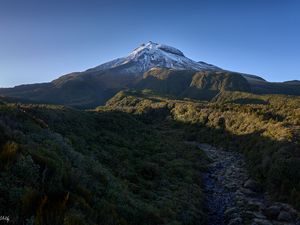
(266, 128)
(127, 162)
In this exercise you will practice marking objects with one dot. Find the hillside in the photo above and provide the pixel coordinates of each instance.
(263, 87)
(129, 163)
(192, 84)
(66, 166)
(141, 69)
(264, 128)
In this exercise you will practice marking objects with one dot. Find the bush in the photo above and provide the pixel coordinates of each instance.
(9, 153)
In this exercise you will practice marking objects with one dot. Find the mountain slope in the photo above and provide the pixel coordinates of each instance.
(64, 166)
(96, 85)
(202, 85)
(264, 87)
(152, 55)
(264, 127)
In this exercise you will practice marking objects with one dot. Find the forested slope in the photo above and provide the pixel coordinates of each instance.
(65, 166)
(263, 127)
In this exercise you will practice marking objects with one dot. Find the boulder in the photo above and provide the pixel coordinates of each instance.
(281, 223)
(236, 221)
(255, 205)
(284, 216)
(272, 212)
(252, 185)
(257, 221)
(288, 208)
(248, 192)
(230, 211)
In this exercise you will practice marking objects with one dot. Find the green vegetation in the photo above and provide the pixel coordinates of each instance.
(127, 162)
(268, 132)
(197, 85)
(92, 88)
(66, 166)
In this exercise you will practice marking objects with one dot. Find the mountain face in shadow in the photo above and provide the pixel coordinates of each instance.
(261, 86)
(151, 65)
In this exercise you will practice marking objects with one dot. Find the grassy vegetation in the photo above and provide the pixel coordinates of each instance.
(197, 85)
(66, 166)
(265, 128)
(127, 163)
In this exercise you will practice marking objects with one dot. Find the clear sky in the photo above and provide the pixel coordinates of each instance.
(41, 40)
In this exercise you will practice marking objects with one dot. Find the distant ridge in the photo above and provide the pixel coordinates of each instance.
(145, 67)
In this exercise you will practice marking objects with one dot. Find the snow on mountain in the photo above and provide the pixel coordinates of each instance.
(152, 55)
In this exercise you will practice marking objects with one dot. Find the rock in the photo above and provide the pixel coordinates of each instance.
(240, 203)
(248, 215)
(251, 184)
(236, 221)
(241, 197)
(255, 205)
(257, 221)
(281, 223)
(230, 211)
(284, 216)
(248, 192)
(289, 209)
(272, 212)
(232, 217)
(259, 215)
(231, 186)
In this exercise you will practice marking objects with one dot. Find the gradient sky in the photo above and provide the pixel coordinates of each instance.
(41, 40)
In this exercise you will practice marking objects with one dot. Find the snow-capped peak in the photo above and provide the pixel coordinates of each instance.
(151, 47)
(151, 55)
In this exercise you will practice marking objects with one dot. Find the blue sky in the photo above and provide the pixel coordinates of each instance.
(41, 40)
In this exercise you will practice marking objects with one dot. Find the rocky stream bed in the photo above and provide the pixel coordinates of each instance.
(233, 198)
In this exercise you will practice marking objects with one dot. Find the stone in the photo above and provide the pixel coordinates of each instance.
(281, 223)
(272, 212)
(230, 211)
(284, 216)
(257, 221)
(230, 217)
(252, 185)
(236, 221)
(288, 208)
(240, 203)
(248, 192)
(231, 186)
(259, 215)
(248, 215)
(255, 205)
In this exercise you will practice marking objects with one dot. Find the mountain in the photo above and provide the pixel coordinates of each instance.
(261, 86)
(202, 85)
(152, 55)
(141, 69)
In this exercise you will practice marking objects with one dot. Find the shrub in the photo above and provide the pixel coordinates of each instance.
(9, 152)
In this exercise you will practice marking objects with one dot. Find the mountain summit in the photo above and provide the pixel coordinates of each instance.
(150, 55)
(161, 68)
